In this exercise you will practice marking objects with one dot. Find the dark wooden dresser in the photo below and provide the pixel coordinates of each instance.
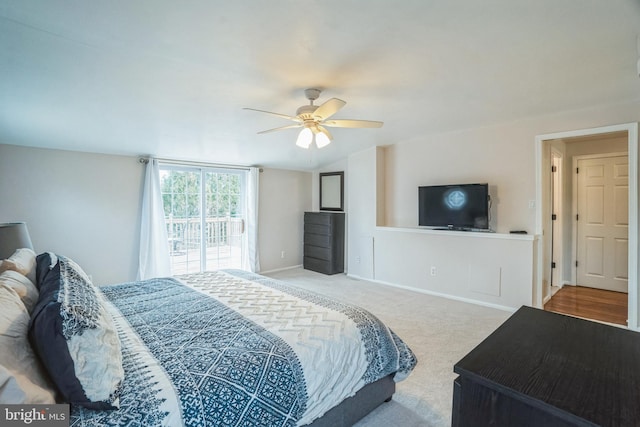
(546, 369)
(324, 242)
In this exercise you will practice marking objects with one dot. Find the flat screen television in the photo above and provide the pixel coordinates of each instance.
(457, 207)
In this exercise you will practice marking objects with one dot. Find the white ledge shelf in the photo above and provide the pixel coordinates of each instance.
(477, 234)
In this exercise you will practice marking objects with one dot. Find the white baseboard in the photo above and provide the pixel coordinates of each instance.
(275, 270)
(437, 294)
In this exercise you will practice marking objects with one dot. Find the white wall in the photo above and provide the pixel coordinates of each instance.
(361, 218)
(284, 197)
(493, 269)
(84, 206)
(499, 157)
(505, 157)
(87, 206)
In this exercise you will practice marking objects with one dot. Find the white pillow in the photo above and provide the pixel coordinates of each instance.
(22, 378)
(23, 286)
(75, 337)
(23, 261)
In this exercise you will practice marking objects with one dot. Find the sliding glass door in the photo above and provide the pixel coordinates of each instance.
(205, 217)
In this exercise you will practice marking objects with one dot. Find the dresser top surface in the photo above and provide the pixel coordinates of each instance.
(325, 212)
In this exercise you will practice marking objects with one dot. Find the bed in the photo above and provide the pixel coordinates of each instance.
(216, 348)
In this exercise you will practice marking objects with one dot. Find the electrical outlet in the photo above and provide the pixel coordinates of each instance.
(282, 254)
(433, 270)
(358, 259)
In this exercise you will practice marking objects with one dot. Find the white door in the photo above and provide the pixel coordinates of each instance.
(602, 222)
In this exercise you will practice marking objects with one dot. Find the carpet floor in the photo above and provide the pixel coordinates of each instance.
(438, 330)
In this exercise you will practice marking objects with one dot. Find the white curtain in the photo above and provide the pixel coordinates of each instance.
(154, 246)
(250, 257)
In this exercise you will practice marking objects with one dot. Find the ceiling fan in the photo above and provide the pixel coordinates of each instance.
(313, 119)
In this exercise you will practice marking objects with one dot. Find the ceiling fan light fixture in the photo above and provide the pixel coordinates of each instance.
(305, 137)
(314, 118)
(322, 140)
(322, 136)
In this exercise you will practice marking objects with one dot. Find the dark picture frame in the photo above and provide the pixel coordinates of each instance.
(332, 191)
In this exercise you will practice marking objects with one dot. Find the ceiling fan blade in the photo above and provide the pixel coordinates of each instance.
(281, 128)
(347, 123)
(284, 116)
(329, 108)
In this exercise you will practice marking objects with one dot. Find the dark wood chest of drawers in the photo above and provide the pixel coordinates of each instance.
(545, 369)
(324, 242)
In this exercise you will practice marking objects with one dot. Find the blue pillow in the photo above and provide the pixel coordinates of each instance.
(74, 335)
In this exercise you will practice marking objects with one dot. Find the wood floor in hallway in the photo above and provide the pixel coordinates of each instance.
(590, 303)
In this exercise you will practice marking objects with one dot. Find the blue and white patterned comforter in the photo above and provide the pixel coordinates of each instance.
(231, 348)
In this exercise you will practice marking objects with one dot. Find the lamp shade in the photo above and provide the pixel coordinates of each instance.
(322, 140)
(305, 138)
(13, 235)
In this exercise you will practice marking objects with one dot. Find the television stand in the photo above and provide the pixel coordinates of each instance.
(477, 230)
(452, 228)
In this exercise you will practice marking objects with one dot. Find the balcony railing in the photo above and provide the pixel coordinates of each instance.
(185, 233)
(222, 237)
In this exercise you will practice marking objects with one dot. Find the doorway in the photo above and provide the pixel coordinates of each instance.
(205, 216)
(627, 135)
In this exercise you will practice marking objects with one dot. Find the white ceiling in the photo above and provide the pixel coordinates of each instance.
(169, 78)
